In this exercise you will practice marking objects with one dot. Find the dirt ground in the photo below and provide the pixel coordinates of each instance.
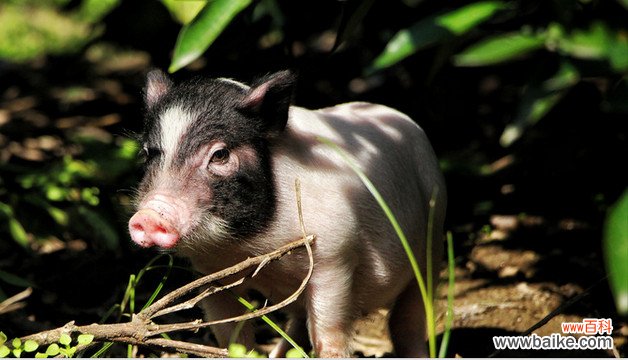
(512, 270)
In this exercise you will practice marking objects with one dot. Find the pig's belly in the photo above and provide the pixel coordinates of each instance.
(370, 289)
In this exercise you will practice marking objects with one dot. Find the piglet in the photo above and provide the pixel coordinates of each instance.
(221, 161)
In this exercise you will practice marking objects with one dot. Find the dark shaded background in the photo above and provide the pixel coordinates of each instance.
(556, 182)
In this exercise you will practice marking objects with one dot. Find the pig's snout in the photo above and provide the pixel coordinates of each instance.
(148, 228)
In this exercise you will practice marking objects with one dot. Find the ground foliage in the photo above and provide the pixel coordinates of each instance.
(524, 102)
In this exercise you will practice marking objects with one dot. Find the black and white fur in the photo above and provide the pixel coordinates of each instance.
(222, 158)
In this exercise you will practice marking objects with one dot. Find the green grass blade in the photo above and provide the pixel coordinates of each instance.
(449, 319)
(275, 327)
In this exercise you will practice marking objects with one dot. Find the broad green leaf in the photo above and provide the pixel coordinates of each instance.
(4, 351)
(184, 11)
(408, 41)
(30, 346)
(616, 251)
(499, 49)
(14, 279)
(467, 17)
(16, 343)
(350, 22)
(65, 339)
(6, 210)
(52, 350)
(92, 11)
(18, 233)
(538, 100)
(587, 44)
(433, 30)
(3, 338)
(618, 52)
(40, 355)
(85, 339)
(17, 353)
(198, 35)
(103, 230)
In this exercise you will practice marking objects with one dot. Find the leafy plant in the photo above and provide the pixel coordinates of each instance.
(64, 348)
(16, 347)
(65, 194)
(31, 29)
(616, 251)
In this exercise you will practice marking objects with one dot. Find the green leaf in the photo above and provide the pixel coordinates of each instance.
(590, 44)
(433, 30)
(40, 355)
(499, 49)
(467, 17)
(65, 339)
(3, 338)
(16, 343)
(85, 339)
(294, 354)
(103, 230)
(616, 251)
(538, 100)
(184, 11)
(4, 351)
(618, 52)
(18, 233)
(237, 350)
(350, 22)
(30, 345)
(52, 350)
(14, 279)
(6, 210)
(198, 35)
(408, 41)
(69, 352)
(17, 352)
(92, 11)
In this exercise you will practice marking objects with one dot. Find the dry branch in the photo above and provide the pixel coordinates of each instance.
(142, 330)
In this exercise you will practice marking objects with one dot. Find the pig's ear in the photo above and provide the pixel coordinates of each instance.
(270, 99)
(157, 85)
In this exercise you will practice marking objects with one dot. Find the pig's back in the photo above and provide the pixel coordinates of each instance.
(396, 156)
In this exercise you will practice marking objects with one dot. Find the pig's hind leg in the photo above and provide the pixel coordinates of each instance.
(407, 323)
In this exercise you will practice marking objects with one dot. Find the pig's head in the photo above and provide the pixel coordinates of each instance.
(208, 168)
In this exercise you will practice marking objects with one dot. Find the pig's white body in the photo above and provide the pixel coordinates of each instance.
(360, 263)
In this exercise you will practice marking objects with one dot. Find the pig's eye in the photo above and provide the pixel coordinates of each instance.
(150, 153)
(220, 156)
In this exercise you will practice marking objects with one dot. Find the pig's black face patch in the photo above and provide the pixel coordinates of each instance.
(246, 200)
(181, 119)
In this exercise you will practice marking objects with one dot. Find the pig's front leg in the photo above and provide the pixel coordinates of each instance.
(297, 330)
(330, 308)
(221, 306)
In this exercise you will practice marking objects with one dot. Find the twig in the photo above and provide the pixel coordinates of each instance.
(14, 302)
(254, 314)
(141, 329)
